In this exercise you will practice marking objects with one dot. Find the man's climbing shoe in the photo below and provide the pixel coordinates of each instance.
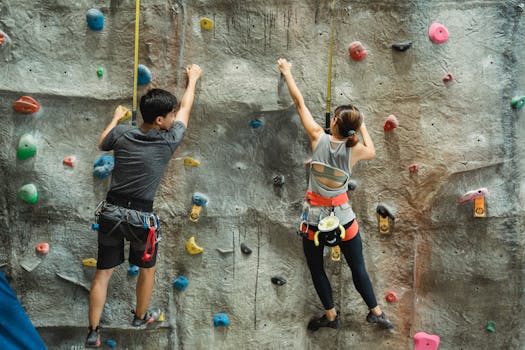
(382, 320)
(316, 323)
(151, 316)
(93, 338)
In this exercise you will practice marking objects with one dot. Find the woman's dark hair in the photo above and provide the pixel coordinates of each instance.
(348, 121)
(156, 103)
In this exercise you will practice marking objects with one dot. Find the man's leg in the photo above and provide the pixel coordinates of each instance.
(97, 295)
(145, 284)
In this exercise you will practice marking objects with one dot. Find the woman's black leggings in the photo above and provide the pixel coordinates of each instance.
(353, 252)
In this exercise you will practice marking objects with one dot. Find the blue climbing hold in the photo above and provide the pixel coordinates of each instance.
(111, 343)
(180, 283)
(143, 75)
(199, 199)
(103, 166)
(133, 270)
(256, 123)
(94, 226)
(95, 19)
(221, 320)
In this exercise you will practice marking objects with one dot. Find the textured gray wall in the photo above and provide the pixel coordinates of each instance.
(452, 272)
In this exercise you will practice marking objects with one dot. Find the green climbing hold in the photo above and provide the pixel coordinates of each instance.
(26, 147)
(491, 326)
(28, 193)
(517, 102)
(100, 72)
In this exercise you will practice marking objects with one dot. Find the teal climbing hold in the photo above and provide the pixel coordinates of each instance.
(26, 147)
(181, 283)
(517, 102)
(95, 19)
(491, 326)
(220, 320)
(143, 75)
(133, 270)
(256, 123)
(103, 166)
(28, 193)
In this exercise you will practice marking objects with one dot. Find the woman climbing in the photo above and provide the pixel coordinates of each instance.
(332, 160)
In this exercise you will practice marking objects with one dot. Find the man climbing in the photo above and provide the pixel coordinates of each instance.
(141, 155)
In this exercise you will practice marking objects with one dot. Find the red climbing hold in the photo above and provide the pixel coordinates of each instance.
(42, 248)
(437, 33)
(448, 78)
(357, 51)
(70, 161)
(26, 104)
(390, 123)
(2, 38)
(424, 341)
(413, 168)
(391, 297)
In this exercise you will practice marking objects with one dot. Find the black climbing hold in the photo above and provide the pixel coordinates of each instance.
(278, 280)
(403, 46)
(278, 180)
(352, 185)
(384, 211)
(245, 249)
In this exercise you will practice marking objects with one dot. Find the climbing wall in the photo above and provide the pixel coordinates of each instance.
(439, 207)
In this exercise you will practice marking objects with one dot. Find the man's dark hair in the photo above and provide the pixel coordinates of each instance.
(156, 102)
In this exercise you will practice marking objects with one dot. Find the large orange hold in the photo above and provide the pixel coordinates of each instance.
(2, 38)
(26, 104)
(357, 51)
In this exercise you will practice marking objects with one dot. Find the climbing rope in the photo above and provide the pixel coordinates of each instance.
(329, 80)
(135, 63)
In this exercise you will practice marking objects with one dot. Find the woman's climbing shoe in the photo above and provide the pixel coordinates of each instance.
(93, 338)
(151, 316)
(316, 323)
(382, 320)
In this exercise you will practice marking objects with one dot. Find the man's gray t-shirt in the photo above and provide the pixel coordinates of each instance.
(140, 158)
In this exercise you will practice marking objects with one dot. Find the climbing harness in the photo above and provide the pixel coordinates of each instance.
(135, 63)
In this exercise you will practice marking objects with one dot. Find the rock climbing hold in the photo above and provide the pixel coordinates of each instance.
(448, 78)
(517, 102)
(192, 247)
(26, 105)
(491, 326)
(94, 227)
(103, 166)
(335, 253)
(352, 185)
(206, 23)
(424, 341)
(391, 297)
(133, 270)
(479, 200)
(437, 33)
(357, 51)
(199, 200)
(69, 161)
(221, 320)
(402, 46)
(256, 123)
(26, 147)
(90, 262)
(390, 123)
(189, 161)
(278, 180)
(245, 249)
(126, 116)
(28, 193)
(143, 75)
(111, 343)
(224, 251)
(278, 280)
(2, 37)
(180, 283)
(42, 248)
(95, 19)
(413, 168)
(384, 214)
(100, 72)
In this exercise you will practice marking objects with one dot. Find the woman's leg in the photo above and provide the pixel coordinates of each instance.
(314, 259)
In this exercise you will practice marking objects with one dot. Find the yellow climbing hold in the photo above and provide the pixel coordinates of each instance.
(192, 247)
(206, 23)
(91, 262)
(127, 116)
(189, 161)
(161, 317)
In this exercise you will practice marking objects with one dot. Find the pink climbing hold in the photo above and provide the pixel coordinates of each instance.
(357, 51)
(391, 297)
(437, 33)
(42, 248)
(390, 123)
(471, 195)
(424, 341)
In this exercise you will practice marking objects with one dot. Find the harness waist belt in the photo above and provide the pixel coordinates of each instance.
(316, 199)
(351, 229)
(129, 202)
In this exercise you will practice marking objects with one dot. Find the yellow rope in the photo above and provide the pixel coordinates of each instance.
(136, 61)
(329, 87)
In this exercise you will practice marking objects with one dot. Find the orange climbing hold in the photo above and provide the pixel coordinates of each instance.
(2, 38)
(42, 248)
(357, 51)
(69, 161)
(26, 104)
